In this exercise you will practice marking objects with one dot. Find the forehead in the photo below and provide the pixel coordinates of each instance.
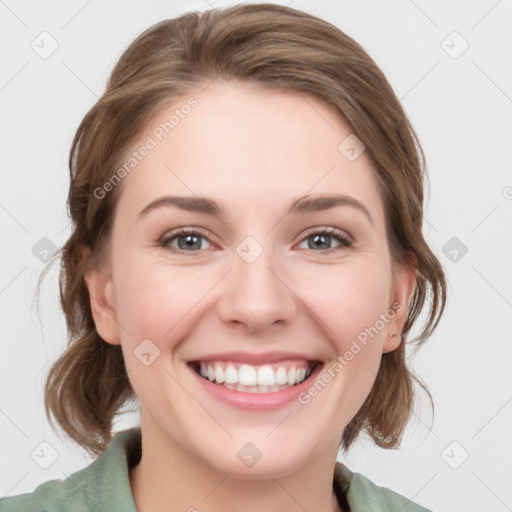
(246, 147)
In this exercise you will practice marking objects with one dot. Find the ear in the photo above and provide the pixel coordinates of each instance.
(98, 280)
(403, 286)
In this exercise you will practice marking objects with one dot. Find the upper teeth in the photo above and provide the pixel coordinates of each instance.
(249, 375)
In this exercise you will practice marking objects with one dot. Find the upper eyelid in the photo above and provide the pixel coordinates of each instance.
(186, 231)
(329, 230)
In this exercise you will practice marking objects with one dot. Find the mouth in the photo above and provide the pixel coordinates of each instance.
(249, 378)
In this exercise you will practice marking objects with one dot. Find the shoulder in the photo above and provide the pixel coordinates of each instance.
(45, 498)
(54, 495)
(102, 485)
(364, 495)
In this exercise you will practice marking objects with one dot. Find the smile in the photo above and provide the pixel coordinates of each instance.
(248, 378)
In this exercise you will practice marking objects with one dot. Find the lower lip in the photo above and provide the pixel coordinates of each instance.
(256, 401)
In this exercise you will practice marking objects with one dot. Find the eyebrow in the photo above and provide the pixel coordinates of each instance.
(301, 204)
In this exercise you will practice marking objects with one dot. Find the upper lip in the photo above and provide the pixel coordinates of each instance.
(253, 358)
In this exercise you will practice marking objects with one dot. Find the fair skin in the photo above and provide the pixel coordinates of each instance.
(253, 151)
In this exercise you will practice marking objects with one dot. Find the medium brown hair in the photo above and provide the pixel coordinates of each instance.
(274, 47)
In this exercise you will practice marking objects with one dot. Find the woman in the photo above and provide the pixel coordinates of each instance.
(247, 262)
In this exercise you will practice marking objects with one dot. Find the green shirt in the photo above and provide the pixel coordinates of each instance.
(104, 486)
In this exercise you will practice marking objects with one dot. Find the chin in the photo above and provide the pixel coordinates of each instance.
(258, 460)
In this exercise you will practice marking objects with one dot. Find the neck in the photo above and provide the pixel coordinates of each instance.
(170, 478)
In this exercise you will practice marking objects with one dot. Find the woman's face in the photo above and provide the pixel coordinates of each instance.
(257, 278)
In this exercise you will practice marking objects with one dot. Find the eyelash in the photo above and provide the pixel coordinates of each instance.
(345, 242)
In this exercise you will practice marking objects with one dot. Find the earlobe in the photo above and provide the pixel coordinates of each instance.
(403, 289)
(392, 342)
(102, 304)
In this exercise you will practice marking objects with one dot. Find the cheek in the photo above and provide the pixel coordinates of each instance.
(156, 301)
(349, 300)
(348, 304)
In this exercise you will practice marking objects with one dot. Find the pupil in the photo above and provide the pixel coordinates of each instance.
(324, 237)
(189, 242)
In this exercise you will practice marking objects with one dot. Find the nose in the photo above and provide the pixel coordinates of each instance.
(256, 296)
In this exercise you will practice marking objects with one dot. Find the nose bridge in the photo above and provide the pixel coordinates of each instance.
(256, 294)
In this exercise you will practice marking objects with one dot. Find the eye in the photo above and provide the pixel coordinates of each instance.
(189, 240)
(323, 237)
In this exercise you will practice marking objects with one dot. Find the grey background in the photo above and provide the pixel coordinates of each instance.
(460, 103)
